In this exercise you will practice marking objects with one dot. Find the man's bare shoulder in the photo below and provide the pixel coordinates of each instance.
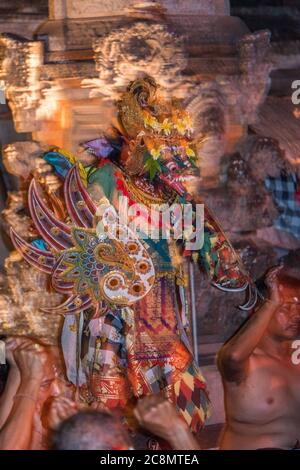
(259, 364)
(262, 367)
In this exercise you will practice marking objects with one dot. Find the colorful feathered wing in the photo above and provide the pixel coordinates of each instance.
(92, 259)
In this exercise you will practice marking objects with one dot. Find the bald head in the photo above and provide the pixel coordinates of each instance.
(90, 430)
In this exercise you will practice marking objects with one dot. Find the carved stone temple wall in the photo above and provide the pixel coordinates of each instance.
(60, 82)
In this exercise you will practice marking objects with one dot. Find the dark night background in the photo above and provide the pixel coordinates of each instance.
(281, 17)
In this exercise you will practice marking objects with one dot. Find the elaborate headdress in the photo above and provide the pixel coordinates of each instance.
(153, 134)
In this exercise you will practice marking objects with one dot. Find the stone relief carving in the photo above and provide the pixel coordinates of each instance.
(208, 109)
(265, 156)
(20, 62)
(138, 49)
(23, 291)
(19, 158)
(216, 104)
(231, 203)
(23, 159)
(246, 90)
(243, 190)
(15, 215)
(255, 65)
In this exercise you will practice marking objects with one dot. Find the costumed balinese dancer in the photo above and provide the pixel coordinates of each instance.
(126, 331)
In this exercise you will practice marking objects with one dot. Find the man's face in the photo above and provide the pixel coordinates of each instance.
(50, 389)
(286, 321)
(53, 384)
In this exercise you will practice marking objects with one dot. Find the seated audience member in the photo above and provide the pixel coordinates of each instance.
(158, 416)
(261, 380)
(32, 382)
(96, 430)
(91, 430)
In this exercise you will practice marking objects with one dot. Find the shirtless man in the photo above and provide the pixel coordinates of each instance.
(32, 385)
(262, 385)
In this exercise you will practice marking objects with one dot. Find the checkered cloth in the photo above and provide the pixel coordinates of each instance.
(285, 194)
(192, 400)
